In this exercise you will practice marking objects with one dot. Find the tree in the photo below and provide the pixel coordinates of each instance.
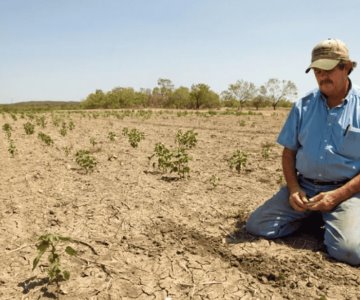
(95, 100)
(276, 90)
(201, 96)
(241, 91)
(180, 98)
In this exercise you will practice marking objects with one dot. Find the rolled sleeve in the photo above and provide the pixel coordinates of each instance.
(288, 136)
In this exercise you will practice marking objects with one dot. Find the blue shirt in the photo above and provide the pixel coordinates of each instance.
(326, 140)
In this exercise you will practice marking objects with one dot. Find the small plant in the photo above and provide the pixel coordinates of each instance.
(171, 160)
(238, 160)
(85, 160)
(29, 128)
(63, 129)
(135, 136)
(214, 181)
(266, 150)
(71, 125)
(12, 148)
(187, 139)
(41, 121)
(67, 150)
(93, 142)
(50, 242)
(111, 136)
(13, 116)
(7, 128)
(242, 123)
(45, 138)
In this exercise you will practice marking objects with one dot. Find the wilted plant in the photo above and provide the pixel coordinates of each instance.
(187, 139)
(135, 136)
(45, 138)
(85, 160)
(29, 128)
(238, 160)
(50, 242)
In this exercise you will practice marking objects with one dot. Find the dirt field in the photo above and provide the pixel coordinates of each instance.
(146, 235)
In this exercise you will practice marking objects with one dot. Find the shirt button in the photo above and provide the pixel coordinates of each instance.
(321, 157)
(320, 174)
(329, 124)
(325, 141)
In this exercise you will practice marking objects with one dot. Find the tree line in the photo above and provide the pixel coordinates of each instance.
(273, 93)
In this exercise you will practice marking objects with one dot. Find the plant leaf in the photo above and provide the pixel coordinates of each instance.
(71, 251)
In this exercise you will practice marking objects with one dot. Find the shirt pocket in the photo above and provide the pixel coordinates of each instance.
(350, 146)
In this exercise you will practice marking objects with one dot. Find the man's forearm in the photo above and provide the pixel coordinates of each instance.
(289, 169)
(349, 189)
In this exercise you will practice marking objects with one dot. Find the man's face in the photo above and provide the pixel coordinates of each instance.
(332, 82)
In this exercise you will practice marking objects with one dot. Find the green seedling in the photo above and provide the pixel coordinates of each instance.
(169, 161)
(85, 160)
(12, 148)
(45, 138)
(266, 150)
(111, 136)
(29, 128)
(51, 243)
(63, 129)
(71, 125)
(8, 129)
(186, 140)
(93, 142)
(238, 160)
(214, 181)
(41, 121)
(135, 136)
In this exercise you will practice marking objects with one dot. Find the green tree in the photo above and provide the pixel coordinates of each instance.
(180, 98)
(278, 90)
(95, 100)
(202, 97)
(241, 91)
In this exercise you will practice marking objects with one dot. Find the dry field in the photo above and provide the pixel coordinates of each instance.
(145, 235)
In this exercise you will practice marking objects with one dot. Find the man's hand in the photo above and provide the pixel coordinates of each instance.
(298, 200)
(325, 201)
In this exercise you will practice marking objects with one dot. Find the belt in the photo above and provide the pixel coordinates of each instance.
(319, 182)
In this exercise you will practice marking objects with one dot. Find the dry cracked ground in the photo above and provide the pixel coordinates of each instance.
(141, 234)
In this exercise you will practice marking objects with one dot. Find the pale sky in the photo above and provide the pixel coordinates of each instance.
(66, 49)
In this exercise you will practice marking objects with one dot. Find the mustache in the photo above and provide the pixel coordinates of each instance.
(325, 81)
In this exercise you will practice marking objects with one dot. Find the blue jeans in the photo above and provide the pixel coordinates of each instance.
(276, 218)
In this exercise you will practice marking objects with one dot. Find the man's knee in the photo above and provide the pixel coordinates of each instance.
(347, 251)
(256, 225)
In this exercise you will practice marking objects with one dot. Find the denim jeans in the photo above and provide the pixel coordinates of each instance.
(276, 218)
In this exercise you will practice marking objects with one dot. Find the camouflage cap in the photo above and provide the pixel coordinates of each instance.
(328, 53)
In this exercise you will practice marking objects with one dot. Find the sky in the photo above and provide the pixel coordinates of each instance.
(66, 49)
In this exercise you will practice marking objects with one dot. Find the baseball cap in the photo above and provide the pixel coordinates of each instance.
(328, 53)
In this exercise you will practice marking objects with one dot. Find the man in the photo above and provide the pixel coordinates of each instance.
(321, 159)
